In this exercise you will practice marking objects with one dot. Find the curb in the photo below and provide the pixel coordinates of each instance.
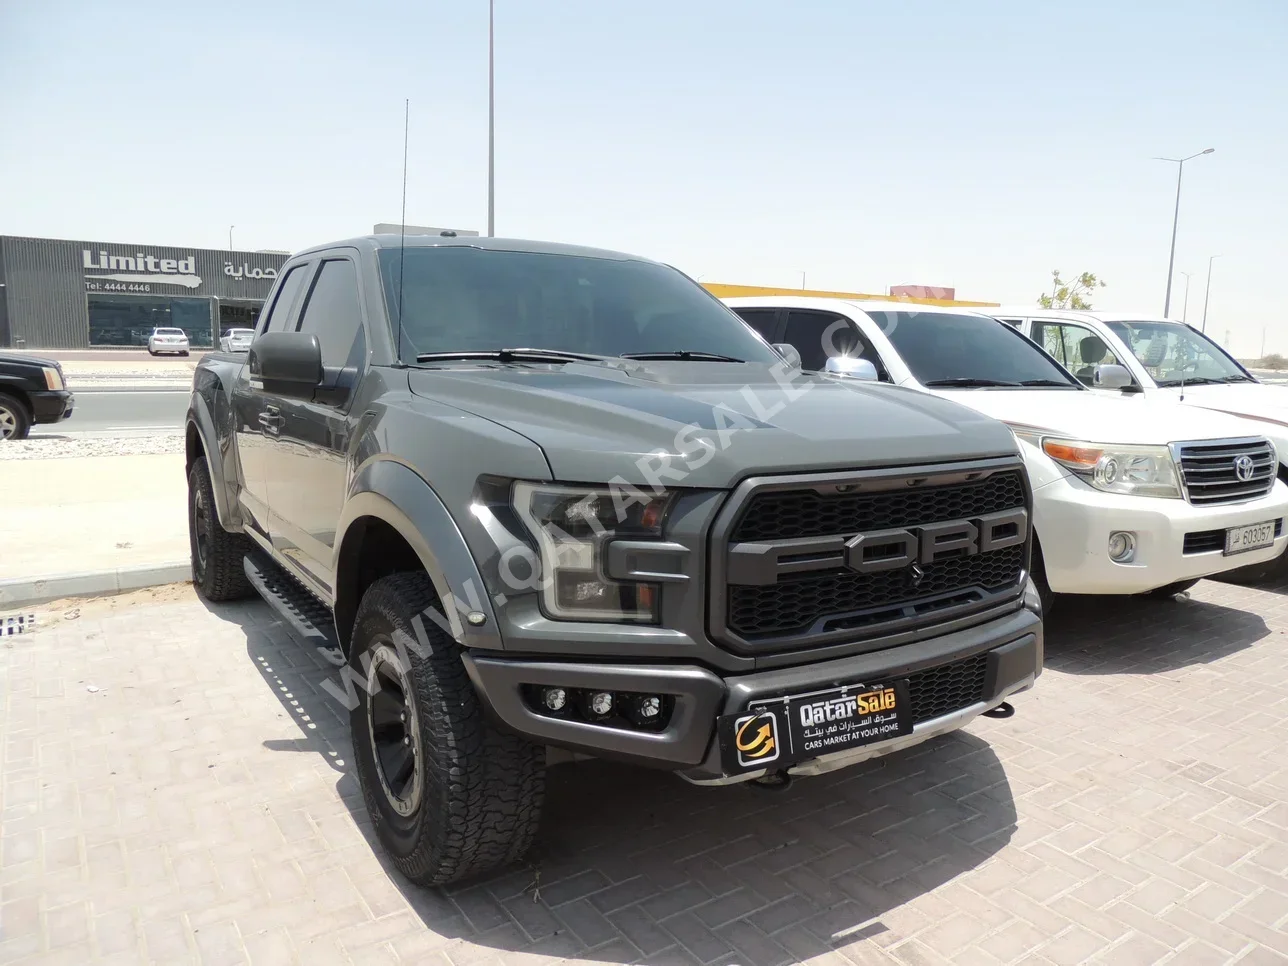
(38, 590)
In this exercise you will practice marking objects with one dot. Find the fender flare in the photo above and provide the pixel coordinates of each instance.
(200, 419)
(395, 494)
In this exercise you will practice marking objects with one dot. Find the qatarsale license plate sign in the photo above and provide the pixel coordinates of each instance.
(777, 732)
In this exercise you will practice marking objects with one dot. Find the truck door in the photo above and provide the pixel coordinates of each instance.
(307, 464)
(254, 421)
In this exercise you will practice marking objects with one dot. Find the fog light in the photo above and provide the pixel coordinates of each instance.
(601, 703)
(648, 707)
(554, 698)
(1122, 546)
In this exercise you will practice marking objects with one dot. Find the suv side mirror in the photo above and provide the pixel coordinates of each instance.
(1111, 376)
(848, 367)
(288, 363)
(789, 353)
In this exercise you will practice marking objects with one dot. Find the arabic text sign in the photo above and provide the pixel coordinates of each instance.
(245, 271)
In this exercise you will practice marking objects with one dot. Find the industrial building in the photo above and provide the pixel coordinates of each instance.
(66, 294)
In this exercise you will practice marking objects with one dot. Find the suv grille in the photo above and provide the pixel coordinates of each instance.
(951, 687)
(809, 594)
(804, 513)
(792, 604)
(1226, 471)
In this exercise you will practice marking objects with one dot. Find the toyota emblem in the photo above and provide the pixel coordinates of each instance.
(1243, 468)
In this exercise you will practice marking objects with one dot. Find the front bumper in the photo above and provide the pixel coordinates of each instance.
(1010, 648)
(1073, 521)
(50, 406)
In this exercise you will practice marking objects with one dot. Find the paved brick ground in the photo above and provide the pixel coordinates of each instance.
(198, 807)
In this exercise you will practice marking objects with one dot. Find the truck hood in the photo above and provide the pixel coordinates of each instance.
(710, 424)
(28, 362)
(1100, 418)
(1251, 400)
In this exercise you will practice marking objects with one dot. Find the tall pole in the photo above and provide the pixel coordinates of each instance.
(230, 237)
(1185, 306)
(1208, 291)
(491, 121)
(1176, 217)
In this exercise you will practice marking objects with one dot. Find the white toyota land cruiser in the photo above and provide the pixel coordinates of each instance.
(1164, 362)
(1129, 497)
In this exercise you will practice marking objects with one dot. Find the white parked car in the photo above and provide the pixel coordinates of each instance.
(1164, 361)
(236, 340)
(168, 340)
(1129, 498)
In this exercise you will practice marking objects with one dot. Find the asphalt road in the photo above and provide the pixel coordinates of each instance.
(104, 355)
(134, 410)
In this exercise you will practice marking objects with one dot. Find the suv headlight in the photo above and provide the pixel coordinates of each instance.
(53, 378)
(572, 525)
(1118, 467)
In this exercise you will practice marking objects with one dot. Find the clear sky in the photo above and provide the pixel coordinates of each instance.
(976, 145)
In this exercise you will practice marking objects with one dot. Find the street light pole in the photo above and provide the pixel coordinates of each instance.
(230, 237)
(1176, 217)
(1185, 306)
(1208, 291)
(491, 121)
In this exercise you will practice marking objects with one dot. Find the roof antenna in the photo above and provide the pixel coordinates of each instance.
(402, 238)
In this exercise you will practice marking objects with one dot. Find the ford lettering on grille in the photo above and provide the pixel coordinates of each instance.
(843, 561)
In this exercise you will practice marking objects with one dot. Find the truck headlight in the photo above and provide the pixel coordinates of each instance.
(1118, 467)
(572, 525)
(53, 378)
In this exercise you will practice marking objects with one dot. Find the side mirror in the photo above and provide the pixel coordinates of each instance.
(1111, 377)
(848, 367)
(789, 353)
(288, 363)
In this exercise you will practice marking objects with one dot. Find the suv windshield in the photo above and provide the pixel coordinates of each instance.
(1173, 353)
(459, 299)
(970, 351)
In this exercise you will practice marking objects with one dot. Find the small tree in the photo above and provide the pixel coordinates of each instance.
(1072, 294)
(1273, 361)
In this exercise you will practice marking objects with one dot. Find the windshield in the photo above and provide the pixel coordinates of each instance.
(965, 350)
(461, 298)
(169, 331)
(1173, 353)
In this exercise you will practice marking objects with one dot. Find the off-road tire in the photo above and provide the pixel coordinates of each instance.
(17, 412)
(1170, 590)
(481, 791)
(219, 575)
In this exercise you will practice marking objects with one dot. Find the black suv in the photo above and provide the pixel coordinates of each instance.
(32, 390)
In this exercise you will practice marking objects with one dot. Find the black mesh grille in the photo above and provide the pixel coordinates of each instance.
(804, 513)
(795, 604)
(951, 687)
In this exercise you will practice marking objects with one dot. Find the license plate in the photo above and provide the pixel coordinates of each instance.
(778, 732)
(1254, 537)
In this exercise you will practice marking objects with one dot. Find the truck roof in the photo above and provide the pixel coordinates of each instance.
(376, 242)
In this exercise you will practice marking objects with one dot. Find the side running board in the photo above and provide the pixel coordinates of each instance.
(306, 616)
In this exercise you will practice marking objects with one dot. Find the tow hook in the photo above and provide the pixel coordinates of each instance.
(1003, 710)
(778, 781)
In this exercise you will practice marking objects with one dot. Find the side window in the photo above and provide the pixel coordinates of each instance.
(332, 314)
(288, 294)
(1014, 322)
(1085, 350)
(764, 321)
(1049, 337)
(818, 335)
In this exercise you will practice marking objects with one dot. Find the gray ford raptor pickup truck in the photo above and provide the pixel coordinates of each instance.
(540, 503)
